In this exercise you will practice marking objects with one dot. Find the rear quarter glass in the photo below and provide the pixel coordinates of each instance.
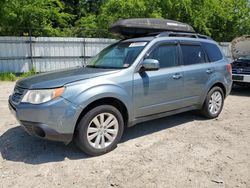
(213, 52)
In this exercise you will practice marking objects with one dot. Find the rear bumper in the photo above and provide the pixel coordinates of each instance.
(228, 83)
(228, 89)
(241, 78)
(54, 120)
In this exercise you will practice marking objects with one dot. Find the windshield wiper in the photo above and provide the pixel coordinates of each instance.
(92, 66)
(103, 67)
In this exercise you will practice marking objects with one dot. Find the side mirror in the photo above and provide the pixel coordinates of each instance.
(150, 65)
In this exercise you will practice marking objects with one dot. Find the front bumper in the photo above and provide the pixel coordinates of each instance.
(54, 120)
(241, 78)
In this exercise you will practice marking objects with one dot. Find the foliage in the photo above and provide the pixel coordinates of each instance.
(221, 19)
(12, 77)
(7, 77)
(25, 14)
(29, 73)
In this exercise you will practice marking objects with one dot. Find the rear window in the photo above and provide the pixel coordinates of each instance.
(212, 51)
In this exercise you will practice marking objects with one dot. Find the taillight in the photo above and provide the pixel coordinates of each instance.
(229, 68)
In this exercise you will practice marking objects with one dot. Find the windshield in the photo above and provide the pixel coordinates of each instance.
(117, 56)
(247, 57)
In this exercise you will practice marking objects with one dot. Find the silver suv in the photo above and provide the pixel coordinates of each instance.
(131, 81)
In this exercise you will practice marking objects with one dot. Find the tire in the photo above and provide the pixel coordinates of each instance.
(209, 110)
(95, 138)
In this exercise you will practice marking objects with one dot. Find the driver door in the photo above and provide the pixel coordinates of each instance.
(161, 90)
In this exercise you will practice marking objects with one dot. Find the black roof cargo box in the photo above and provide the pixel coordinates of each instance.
(144, 26)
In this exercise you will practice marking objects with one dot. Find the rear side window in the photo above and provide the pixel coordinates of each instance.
(166, 55)
(192, 54)
(212, 51)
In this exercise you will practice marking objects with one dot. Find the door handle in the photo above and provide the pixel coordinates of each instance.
(177, 76)
(209, 71)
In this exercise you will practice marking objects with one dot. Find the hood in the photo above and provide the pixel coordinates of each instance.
(240, 47)
(59, 78)
(241, 64)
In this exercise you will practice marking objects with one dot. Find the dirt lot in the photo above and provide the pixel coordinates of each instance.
(180, 151)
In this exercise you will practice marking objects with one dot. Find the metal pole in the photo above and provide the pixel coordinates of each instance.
(31, 51)
(84, 48)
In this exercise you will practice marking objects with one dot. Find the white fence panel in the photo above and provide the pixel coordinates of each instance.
(19, 54)
(225, 46)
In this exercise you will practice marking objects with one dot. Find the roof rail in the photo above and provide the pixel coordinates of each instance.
(179, 34)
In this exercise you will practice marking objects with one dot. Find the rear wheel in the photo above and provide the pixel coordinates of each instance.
(214, 102)
(99, 130)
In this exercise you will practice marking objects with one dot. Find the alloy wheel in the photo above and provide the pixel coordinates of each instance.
(215, 102)
(102, 130)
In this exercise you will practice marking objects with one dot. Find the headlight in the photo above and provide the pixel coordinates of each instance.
(42, 95)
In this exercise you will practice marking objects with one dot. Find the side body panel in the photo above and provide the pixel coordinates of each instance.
(196, 78)
(157, 91)
(118, 86)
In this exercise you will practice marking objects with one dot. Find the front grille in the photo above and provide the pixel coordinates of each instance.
(12, 106)
(241, 71)
(238, 78)
(241, 67)
(17, 95)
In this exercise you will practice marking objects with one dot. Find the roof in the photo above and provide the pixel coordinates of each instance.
(170, 35)
(138, 39)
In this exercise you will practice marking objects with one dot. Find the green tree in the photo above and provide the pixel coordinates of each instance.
(221, 19)
(86, 24)
(20, 15)
(112, 10)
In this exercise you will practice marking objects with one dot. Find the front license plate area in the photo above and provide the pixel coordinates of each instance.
(238, 78)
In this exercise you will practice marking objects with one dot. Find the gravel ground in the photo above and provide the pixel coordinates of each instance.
(184, 150)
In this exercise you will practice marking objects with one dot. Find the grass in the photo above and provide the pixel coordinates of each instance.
(8, 77)
(13, 77)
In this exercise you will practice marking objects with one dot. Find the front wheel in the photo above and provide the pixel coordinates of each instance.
(214, 102)
(99, 130)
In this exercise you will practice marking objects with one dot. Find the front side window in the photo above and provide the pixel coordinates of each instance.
(166, 55)
(192, 54)
(117, 56)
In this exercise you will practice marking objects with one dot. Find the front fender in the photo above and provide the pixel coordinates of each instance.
(89, 95)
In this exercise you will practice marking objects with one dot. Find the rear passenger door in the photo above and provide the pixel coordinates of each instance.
(197, 71)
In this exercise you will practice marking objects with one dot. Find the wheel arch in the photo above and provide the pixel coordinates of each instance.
(205, 106)
(117, 103)
(218, 84)
(221, 85)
